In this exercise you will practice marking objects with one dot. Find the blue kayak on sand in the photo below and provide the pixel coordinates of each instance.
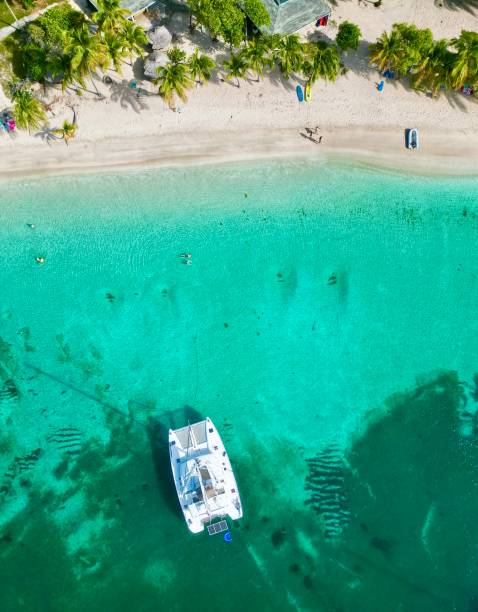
(300, 93)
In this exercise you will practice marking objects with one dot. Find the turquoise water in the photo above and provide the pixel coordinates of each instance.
(327, 325)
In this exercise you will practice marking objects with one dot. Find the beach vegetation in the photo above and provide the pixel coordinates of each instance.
(13, 10)
(429, 65)
(386, 53)
(87, 53)
(28, 111)
(322, 62)
(348, 36)
(235, 67)
(227, 18)
(433, 71)
(62, 47)
(257, 56)
(201, 66)
(464, 67)
(176, 55)
(174, 79)
(67, 131)
(115, 49)
(134, 39)
(110, 16)
(256, 12)
(287, 52)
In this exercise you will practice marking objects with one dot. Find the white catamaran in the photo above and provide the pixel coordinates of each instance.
(203, 476)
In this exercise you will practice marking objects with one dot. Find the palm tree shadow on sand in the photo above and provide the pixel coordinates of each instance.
(157, 429)
(122, 92)
(471, 6)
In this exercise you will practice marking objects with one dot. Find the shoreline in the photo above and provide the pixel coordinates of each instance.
(227, 122)
(369, 146)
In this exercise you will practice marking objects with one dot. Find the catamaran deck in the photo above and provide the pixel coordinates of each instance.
(203, 475)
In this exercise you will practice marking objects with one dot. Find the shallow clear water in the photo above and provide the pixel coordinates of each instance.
(327, 325)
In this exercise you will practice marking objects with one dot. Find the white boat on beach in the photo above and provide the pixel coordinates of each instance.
(205, 483)
(412, 138)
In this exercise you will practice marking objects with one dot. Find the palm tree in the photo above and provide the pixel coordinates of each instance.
(176, 55)
(27, 110)
(271, 42)
(110, 16)
(465, 62)
(87, 53)
(289, 54)
(133, 39)
(257, 56)
(387, 51)
(433, 72)
(59, 65)
(115, 49)
(324, 63)
(174, 79)
(416, 43)
(67, 131)
(236, 67)
(201, 66)
(11, 11)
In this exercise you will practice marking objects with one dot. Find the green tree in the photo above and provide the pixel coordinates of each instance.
(10, 10)
(433, 72)
(257, 56)
(256, 12)
(465, 63)
(236, 67)
(59, 66)
(174, 79)
(133, 39)
(115, 49)
(56, 23)
(201, 66)
(28, 112)
(67, 131)
(87, 53)
(35, 62)
(110, 16)
(221, 17)
(323, 63)
(348, 36)
(387, 51)
(176, 55)
(288, 52)
(415, 45)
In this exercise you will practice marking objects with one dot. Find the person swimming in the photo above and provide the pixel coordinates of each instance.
(186, 255)
(40, 259)
(31, 225)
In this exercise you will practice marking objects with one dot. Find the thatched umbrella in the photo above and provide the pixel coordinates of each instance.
(153, 62)
(160, 37)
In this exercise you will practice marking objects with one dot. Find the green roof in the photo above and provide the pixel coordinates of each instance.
(292, 15)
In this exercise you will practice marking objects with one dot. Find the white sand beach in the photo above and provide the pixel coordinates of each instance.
(224, 122)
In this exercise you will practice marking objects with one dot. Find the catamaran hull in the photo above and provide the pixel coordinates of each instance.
(203, 476)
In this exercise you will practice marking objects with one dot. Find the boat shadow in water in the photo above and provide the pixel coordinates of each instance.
(157, 429)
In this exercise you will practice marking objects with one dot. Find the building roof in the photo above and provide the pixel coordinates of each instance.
(292, 15)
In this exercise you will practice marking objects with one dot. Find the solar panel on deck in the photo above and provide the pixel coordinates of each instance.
(217, 527)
